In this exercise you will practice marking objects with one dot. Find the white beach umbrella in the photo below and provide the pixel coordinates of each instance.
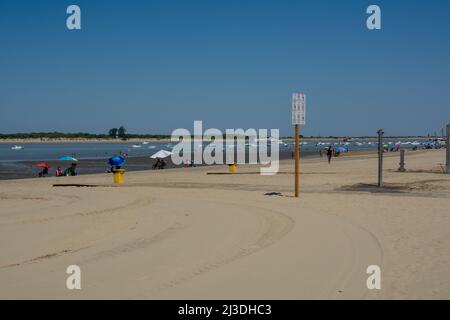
(161, 154)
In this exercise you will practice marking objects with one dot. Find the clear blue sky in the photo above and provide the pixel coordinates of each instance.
(154, 66)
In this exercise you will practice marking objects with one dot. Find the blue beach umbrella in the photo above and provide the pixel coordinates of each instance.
(68, 158)
(341, 149)
(116, 161)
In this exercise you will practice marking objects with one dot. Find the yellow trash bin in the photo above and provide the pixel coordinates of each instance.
(233, 167)
(118, 175)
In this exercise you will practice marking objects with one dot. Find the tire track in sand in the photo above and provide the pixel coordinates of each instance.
(138, 244)
(278, 225)
(130, 205)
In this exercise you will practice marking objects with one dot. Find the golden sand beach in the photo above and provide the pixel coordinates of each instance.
(187, 234)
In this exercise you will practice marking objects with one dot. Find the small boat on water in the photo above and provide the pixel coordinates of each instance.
(136, 146)
(17, 148)
(145, 142)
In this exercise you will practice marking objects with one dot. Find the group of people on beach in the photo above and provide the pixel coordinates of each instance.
(72, 170)
(330, 152)
(68, 172)
(159, 164)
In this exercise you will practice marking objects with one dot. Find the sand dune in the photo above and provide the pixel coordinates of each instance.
(186, 234)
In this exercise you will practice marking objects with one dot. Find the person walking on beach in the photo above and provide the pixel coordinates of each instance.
(329, 154)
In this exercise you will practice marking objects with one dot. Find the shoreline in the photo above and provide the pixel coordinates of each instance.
(166, 140)
(13, 170)
(26, 169)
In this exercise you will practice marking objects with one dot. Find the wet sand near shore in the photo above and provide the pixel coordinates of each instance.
(200, 233)
(28, 169)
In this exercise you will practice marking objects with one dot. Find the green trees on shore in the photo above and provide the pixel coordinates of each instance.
(118, 133)
(113, 133)
(52, 135)
(122, 132)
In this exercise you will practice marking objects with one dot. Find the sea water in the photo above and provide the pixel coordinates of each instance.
(101, 150)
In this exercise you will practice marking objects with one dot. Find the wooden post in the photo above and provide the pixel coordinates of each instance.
(297, 158)
(298, 118)
(380, 158)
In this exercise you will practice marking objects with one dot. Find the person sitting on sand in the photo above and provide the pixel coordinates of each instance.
(159, 164)
(44, 172)
(74, 171)
(156, 164)
(59, 172)
(71, 171)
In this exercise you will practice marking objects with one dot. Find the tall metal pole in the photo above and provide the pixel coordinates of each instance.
(402, 161)
(380, 158)
(297, 158)
(447, 162)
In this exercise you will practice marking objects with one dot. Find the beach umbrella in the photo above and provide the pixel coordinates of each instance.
(341, 149)
(43, 165)
(68, 158)
(116, 161)
(161, 154)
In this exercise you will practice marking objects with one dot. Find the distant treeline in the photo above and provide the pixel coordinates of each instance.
(79, 135)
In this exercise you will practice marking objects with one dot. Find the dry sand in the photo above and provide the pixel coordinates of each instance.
(184, 234)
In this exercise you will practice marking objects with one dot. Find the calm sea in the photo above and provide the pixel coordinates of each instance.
(53, 151)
